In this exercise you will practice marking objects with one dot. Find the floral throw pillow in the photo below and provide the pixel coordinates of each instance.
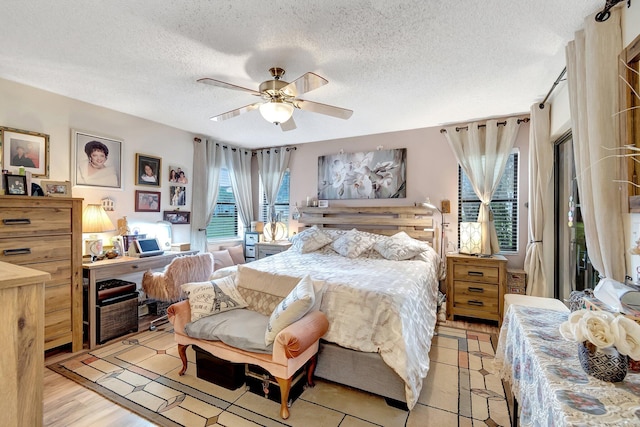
(213, 297)
(309, 240)
(400, 247)
(353, 243)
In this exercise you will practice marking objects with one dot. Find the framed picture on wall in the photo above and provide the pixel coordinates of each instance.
(26, 149)
(177, 217)
(96, 160)
(147, 201)
(178, 174)
(148, 170)
(178, 195)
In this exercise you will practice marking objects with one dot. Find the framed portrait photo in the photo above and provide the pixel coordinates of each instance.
(178, 175)
(177, 217)
(22, 148)
(15, 185)
(96, 160)
(147, 201)
(56, 188)
(148, 170)
(177, 195)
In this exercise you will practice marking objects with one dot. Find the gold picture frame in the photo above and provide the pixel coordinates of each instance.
(56, 188)
(26, 149)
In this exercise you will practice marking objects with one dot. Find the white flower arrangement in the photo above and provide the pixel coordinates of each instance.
(601, 329)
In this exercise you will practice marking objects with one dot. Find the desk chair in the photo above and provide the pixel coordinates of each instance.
(165, 286)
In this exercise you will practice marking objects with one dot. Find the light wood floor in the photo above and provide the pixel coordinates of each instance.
(67, 404)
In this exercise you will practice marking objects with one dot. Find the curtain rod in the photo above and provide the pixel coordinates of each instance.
(253, 152)
(458, 129)
(558, 80)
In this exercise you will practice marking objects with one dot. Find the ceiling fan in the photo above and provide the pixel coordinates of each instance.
(279, 99)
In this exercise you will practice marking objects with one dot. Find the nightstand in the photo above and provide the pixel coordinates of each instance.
(476, 286)
(250, 240)
(265, 249)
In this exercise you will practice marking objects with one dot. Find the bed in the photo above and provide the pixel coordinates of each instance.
(382, 312)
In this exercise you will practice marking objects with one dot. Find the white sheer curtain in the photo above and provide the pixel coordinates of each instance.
(207, 161)
(592, 70)
(272, 164)
(238, 162)
(482, 152)
(540, 203)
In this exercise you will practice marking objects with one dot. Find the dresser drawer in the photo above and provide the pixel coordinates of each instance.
(476, 273)
(30, 250)
(37, 221)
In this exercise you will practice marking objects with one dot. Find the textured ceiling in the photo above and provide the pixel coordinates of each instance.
(397, 64)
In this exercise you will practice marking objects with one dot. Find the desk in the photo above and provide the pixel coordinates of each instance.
(110, 268)
(547, 380)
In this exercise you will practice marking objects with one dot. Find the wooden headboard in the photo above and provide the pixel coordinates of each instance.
(416, 221)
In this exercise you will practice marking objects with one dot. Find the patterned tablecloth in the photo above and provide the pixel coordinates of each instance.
(545, 374)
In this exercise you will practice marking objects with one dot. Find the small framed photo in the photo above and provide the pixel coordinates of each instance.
(148, 170)
(323, 203)
(178, 195)
(178, 174)
(15, 185)
(177, 217)
(23, 148)
(56, 188)
(147, 201)
(96, 160)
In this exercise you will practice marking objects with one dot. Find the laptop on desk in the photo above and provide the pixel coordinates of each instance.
(148, 247)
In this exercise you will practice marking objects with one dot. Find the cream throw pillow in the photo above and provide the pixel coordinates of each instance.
(353, 243)
(215, 296)
(292, 308)
(309, 240)
(400, 247)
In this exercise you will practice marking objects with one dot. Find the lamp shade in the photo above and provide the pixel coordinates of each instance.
(276, 111)
(96, 220)
(470, 238)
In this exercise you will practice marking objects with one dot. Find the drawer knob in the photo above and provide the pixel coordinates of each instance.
(477, 290)
(476, 273)
(16, 221)
(18, 251)
(476, 303)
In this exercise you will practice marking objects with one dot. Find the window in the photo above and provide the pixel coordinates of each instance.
(504, 205)
(224, 222)
(281, 204)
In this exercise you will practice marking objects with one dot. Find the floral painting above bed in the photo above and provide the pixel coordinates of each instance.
(377, 174)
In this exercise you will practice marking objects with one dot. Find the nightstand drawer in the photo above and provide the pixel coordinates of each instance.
(476, 273)
(476, 290)
(464, 305)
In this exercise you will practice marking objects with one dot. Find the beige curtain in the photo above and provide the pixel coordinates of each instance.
(207, 161)
(482, 152)
(238, 163)
(272, 164)
(592, 70)
(540, 202)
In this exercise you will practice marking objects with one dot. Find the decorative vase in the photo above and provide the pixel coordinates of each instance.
(605, 364)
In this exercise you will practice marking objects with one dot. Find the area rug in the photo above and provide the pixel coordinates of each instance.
(140, 373)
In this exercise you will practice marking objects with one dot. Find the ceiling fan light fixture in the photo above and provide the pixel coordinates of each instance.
(276, 111)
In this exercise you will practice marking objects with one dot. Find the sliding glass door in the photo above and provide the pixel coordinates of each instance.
(573, 269)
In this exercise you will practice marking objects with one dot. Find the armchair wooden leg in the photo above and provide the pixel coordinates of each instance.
(285, 387)
(182, 351)
(311, 370)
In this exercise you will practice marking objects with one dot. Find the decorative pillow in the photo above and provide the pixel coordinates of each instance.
(221, 259)
(309, 240)
(292, 308)
(237, 254)
(353, 243)
(261, 290)
(400, 247)
(215, 296)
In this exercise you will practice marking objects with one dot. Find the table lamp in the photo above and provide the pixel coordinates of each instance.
(470, 238)
(95, 220)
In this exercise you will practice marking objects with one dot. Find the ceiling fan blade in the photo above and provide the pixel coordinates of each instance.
(303, 84)
(233, 113)
(288, 125)
(329, 110)
(225, 85)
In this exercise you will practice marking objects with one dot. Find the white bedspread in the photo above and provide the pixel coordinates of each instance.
(374, 305)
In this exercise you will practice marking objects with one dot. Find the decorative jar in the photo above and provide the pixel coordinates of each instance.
(606, 364)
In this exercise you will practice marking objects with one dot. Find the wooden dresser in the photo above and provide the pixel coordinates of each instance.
(45, 233)
(21, 340)
(476, 286)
